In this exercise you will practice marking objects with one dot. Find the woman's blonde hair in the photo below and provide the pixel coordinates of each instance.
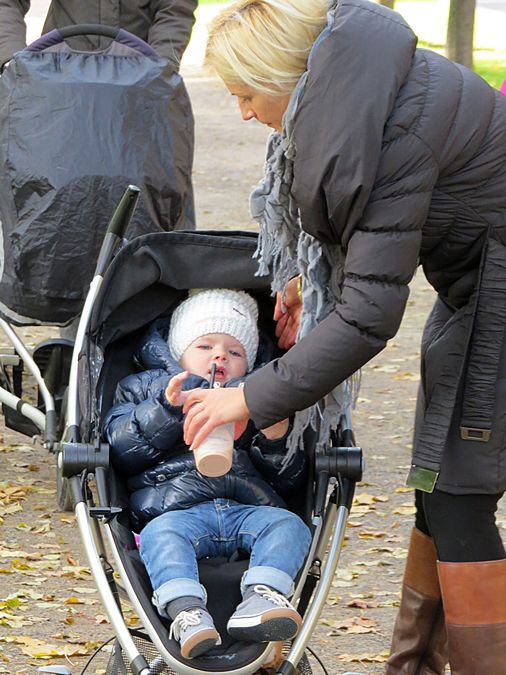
(264, 44)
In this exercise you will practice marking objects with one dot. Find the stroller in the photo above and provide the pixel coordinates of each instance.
(54, 204)
(144, 281)
(75, 129)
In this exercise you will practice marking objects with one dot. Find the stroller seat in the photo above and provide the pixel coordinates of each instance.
(145, 281)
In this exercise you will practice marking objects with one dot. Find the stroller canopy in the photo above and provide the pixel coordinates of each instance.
(153, 272)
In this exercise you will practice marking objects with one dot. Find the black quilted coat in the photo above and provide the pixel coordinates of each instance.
(146, 437)
(401, 158)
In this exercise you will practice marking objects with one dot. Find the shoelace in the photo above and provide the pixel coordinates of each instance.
(183, 621)
(272, 596)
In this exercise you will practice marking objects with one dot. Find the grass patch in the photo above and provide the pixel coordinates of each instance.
(492, 71)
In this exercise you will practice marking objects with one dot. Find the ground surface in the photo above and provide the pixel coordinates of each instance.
(48, 605)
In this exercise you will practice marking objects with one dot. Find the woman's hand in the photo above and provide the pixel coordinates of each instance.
(206, 409)
(174, 395)
(276, 431)
(288, 322)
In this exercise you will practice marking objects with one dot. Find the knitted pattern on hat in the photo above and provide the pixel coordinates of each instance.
(217, 310)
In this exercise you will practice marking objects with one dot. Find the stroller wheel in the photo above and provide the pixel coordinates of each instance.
(63, 494)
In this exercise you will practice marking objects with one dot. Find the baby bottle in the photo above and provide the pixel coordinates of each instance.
(213, 457)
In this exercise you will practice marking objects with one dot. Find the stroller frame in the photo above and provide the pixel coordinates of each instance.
(340, 466)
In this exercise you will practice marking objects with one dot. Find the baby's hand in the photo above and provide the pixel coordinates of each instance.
(173, 393)
(275, 431)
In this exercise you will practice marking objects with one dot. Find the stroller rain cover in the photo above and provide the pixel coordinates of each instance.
(75, 129)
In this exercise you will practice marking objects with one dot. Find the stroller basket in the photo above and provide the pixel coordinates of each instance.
(110, 659)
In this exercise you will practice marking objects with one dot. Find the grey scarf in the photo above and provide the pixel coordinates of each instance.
(285, 250)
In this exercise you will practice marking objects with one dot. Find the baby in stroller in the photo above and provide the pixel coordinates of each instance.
(184, 516)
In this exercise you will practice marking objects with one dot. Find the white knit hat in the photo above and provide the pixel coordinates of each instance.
(218, 310)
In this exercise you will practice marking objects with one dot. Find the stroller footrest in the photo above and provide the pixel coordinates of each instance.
(105, 512)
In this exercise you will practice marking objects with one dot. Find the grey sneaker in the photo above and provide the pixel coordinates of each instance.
(264, 616)
(195, 632)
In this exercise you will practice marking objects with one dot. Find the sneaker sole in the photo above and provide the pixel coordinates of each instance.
(200, 643)
(272, 627)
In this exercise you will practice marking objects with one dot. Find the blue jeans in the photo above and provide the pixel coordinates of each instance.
(170, 545)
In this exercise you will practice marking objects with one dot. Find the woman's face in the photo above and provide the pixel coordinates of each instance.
(265, 108)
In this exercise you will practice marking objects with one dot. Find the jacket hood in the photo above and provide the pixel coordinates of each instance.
(154, 353)
(354, 76)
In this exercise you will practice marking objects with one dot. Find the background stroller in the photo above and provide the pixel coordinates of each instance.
(73, 133)
(75, 129)
(145, 280)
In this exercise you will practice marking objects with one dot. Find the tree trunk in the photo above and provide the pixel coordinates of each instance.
(459, 37)
(387, 3)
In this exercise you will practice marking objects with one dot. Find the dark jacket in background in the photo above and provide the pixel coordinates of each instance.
(146, 437)
(401, 158)
(164, 24)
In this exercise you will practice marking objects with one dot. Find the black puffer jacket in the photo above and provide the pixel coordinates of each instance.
(401, 158)
(146, 437)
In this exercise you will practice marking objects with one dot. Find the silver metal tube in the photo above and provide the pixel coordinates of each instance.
(310, 558)
(329, 522)
(25, 355)
(106, 595)
(313, 614)
(25, 409)
(97, 537)
(180, 668)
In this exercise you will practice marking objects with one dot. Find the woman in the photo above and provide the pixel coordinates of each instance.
(392, 156)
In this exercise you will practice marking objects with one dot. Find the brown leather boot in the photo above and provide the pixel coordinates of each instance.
(419, 645)
(474, 597)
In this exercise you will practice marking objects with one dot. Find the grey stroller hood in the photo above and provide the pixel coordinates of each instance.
(75, 128)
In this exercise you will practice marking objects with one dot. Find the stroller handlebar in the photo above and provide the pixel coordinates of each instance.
(58, 35)
(117, 227)
(88, 29)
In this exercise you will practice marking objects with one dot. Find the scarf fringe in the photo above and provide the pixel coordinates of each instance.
(285, 250)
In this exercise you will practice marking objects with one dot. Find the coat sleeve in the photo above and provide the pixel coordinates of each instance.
(381, 257)
(142, 427)
(12, 28)
(171, 28)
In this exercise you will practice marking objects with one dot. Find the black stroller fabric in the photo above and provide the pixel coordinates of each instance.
(75, 129)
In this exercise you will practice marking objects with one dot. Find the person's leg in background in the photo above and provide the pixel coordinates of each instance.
(419, 644)
(472, 576)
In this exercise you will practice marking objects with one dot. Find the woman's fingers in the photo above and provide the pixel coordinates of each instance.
(281, 325)
(196, 428)
(194, 396)
(288, 335)
(207, 409)
(292, 298)
(278, 309)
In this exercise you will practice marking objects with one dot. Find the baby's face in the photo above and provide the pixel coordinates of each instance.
(219, 348)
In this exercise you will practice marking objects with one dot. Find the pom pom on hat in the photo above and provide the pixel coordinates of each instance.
(218, 310)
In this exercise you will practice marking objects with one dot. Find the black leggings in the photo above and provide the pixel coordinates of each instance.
(463, 526)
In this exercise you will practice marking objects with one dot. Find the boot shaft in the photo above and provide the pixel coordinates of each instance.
(474, 597)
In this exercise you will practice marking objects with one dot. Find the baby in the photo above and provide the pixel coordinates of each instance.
(184, 516)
